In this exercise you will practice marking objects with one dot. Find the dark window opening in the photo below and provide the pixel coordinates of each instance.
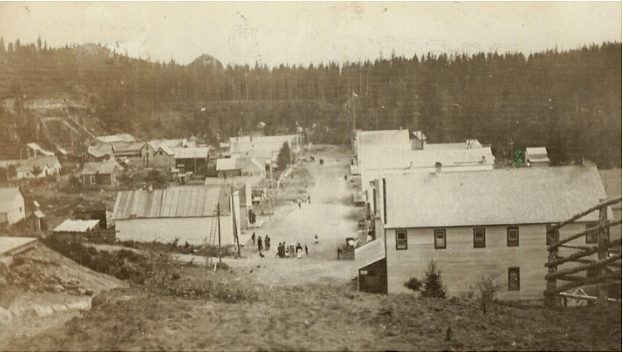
(440, 238)
(401, 240)
(479, 238)
(513, 278)
(512, 236)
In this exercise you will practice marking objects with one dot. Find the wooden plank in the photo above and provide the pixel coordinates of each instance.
(554, 291)
(578, 255)
(584, 297)
(587, 231)
(575, 247)
(597, 264)
(583, 261)
(571, 278)
(582, 214)
(602, 257)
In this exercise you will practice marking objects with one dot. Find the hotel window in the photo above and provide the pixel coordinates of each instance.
(401, 240)
(591, 238)
(513, 278)
(512, 236)
(92, 179)
(440, 238)
(479, 238)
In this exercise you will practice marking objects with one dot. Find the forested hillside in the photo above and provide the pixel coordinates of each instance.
(568, 101)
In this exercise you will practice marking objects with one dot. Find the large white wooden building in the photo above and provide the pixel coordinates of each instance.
(185, 213)
(475, 224)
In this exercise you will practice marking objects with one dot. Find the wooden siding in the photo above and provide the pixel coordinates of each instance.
(193, 230)
(462, 265)
(369, 253)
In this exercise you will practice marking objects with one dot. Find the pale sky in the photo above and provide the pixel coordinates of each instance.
(312, 32)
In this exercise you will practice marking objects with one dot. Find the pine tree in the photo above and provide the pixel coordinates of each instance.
(284, 157)
(433, 284)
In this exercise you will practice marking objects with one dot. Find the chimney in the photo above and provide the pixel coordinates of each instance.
(437, 168)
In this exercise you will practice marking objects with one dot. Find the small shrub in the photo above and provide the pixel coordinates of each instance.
(488, 289)
(433, 284)
(469, 293)
(413, 284)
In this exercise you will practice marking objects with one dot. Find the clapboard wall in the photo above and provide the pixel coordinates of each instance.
(462, 265)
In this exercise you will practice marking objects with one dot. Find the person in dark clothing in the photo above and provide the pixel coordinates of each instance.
(267, 242)
(339, 253)
(259, 243)
(309, 199)
(253, 238)
(306, 250)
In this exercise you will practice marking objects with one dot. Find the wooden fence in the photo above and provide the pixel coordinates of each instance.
(604, 271)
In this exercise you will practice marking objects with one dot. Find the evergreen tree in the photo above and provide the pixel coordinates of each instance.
(433, 284)
(284, 158)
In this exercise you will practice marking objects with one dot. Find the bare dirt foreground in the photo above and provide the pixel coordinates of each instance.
(309, 304)
(231, 311)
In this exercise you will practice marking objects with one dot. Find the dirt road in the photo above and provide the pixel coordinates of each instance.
(330, 215)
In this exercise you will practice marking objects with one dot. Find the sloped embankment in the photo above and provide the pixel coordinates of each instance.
(42, 289)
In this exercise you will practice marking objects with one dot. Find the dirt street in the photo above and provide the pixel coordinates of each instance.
(330, 215)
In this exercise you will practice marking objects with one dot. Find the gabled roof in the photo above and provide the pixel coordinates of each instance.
(76, 225)
(120, 147)
(100, 151)
(261, 145)
(7, 196)
(116, 138)
(105, 167)
(33, 146)
(223, 164)
(536, 150)
(497, 197)
(181, 201)
(191, 152)
(249, 165)
(171, 143)
(166, 150)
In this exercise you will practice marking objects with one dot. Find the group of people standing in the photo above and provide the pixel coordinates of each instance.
(284, 250)
(261, 245)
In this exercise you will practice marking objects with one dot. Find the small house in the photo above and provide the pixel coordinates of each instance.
(536, 157)
(12, 208)
(151, 156)
(475, 224)
(193, 159)
(96, 174)
(72, 229)
(128, 149)
(99, 153)
(186, 213)
(240, 167)
(33, 150)
(38, 167)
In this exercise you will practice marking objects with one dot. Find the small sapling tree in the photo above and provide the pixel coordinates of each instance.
(413, 284)
(433, 284)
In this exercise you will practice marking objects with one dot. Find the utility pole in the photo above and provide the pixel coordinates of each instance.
(218, 220)
(512, 155)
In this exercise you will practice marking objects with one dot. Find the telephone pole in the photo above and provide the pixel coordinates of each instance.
(218, 220)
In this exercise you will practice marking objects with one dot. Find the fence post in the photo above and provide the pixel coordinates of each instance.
(552, 237)
(602, 240)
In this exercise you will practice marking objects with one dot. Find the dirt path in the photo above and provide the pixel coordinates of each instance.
(330, 215)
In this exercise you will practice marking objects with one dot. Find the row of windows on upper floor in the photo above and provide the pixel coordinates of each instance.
(480, 239)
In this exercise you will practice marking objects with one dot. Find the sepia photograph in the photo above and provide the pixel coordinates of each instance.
(310, 176)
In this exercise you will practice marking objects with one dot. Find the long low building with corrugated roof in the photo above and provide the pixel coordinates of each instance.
(185, 213)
